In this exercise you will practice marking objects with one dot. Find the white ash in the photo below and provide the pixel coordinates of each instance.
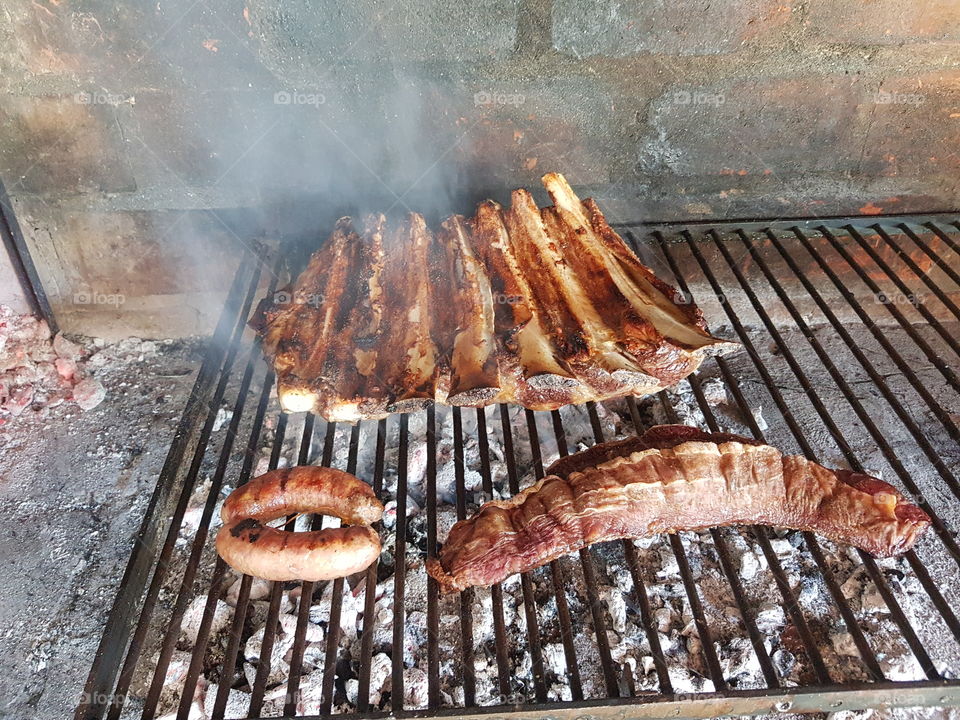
(224, 416)
(659, 569)
(190, 628)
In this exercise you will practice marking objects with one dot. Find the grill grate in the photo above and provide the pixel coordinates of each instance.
(849, 342)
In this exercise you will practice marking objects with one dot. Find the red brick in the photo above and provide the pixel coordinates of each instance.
(861, 22)
(618, 28)
(911, 127)
(775, 126)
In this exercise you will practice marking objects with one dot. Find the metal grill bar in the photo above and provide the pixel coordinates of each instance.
(243, 598)
(945, 535)
(126, 673)
(760, 533)
(499, 623)
(950, 340)
(276, 592)
(433, 592)
(467, 596)
(782, 582)
(590, 583)
(400, 568)
(909, 262)
(529, 606)
(557, 576)
(868, 561)
(564, 604)
(370, 583)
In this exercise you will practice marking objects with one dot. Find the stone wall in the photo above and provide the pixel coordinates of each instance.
(128, 129)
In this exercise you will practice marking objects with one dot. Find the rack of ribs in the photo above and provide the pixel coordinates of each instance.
(541, 307)
(672, 478)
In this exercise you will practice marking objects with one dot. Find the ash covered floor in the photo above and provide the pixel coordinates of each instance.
(73, 488)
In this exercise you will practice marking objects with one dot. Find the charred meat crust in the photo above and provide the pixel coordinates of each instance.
(672, 478)
(542, 307)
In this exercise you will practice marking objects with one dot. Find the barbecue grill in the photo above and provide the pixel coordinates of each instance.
(849, 356)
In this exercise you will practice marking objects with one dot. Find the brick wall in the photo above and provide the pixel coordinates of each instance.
(127, 128)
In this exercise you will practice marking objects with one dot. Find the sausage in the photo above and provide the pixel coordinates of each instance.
(249, 546)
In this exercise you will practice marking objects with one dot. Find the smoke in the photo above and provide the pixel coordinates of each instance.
(297, 126)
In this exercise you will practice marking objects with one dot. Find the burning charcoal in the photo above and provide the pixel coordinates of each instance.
(350, 607)
(782, 547)
(900, 665)
(843, 643)
(446, 517)
(770, 617)
(311, 695)
(274, 701)
(559, 691)
(554, 660)
(88, 393)
(282, 643)
(65, 348)
(19, 400)
(353, 691)
(864, 714)
(784, 661)
(684, 680)
(714, 391)
(223, 417)
(751, 564)
(380, 669)
(238, 702)
(259, 589)
(737, 658)
(190, 627)
(872, 601)
(483, 615)
(173, 681)
(668, 563)
(621, 577)
(852, 587)
(414, 688)
(66, 368)
(617, 608)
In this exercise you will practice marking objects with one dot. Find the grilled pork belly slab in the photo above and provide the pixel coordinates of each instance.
(541, 307)
(672, 478)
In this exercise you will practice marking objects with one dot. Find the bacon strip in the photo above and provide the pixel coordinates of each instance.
(672, 478)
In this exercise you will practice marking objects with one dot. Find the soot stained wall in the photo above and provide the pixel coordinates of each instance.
(125, 128)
